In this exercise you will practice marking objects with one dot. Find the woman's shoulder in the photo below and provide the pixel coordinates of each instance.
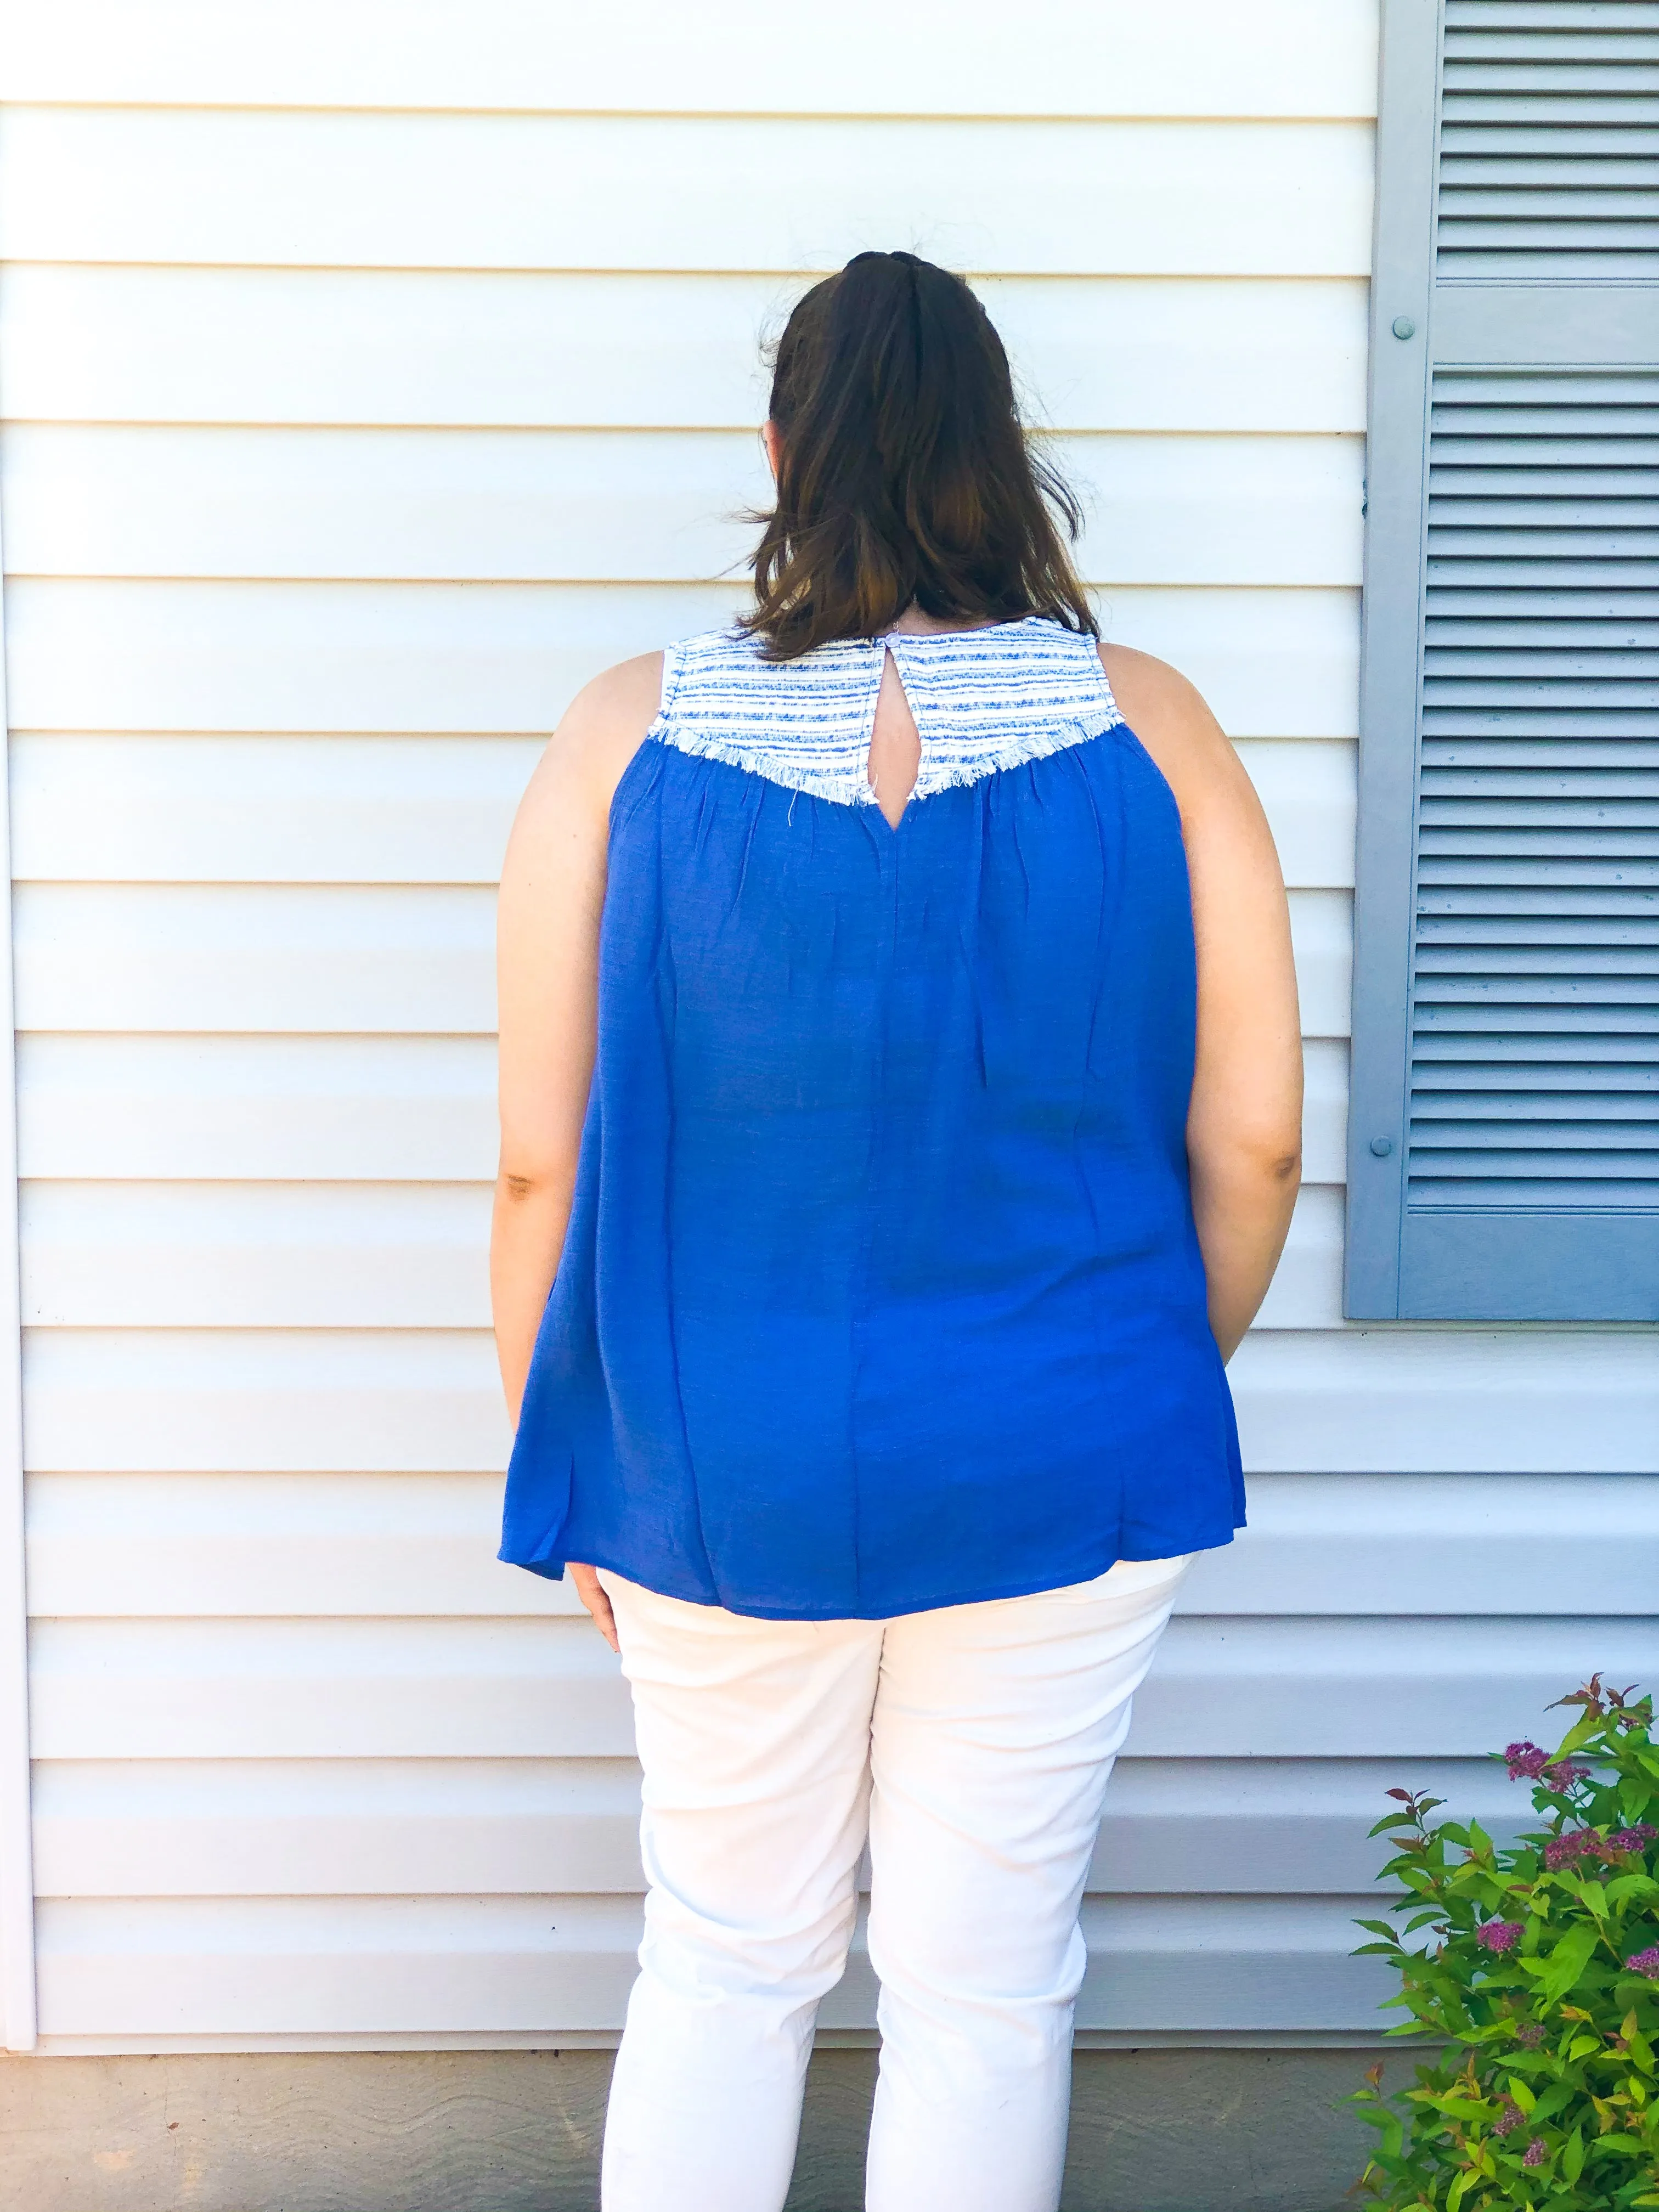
(1171, 719)
(588, 753)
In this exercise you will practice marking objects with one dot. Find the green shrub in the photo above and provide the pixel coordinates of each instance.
(1540, 1975)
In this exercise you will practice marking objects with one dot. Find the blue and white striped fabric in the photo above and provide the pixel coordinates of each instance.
(881, 1289)
(982, 700)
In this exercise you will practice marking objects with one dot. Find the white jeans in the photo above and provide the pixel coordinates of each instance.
(972, 1745)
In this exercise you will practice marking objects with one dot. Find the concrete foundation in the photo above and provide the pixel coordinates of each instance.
(518, 2131)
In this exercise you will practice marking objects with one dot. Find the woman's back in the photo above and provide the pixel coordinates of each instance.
(881, 1289)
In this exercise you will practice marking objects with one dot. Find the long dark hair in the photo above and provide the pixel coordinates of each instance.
(905, 477)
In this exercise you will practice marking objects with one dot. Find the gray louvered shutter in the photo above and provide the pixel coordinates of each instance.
(1504, 1125)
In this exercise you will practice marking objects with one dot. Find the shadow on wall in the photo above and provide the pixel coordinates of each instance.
(518, 2131)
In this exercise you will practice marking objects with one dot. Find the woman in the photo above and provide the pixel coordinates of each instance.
(900, 1070)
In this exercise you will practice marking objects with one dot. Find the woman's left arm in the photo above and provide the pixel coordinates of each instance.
(547, 988)
(1244, 1127)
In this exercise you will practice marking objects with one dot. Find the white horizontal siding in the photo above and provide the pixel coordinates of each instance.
(125, 1972)
(345, 1827)
(1225, 1687)
(394, 958)
(435, 658)
(1048, 198)
(344, 441)
(171, 1546)
(1281, 58)
(468, 348)
(1359, 1401)
(628, 506)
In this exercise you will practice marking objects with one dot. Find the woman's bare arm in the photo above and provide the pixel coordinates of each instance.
(547, 986)
(1244, 1128)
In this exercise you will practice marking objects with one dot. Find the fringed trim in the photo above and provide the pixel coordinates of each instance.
(843, 787)
(846, 781)
(942, 775)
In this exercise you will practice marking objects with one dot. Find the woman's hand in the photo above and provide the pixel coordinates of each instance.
(590, 1591)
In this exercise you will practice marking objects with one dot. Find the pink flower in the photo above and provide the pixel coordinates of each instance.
(1526, 1762)
(1499, 1935)
(1633, 1839)
(1645, 1962)
(1509, 2119)
(1535, 2154)
(1531, 2035)
(1576, 1843)
(1562, 1774)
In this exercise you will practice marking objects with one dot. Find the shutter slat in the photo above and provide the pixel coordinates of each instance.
(1487, 780)
(1483, 1102)
(1530, 659)
(1608, 138)
(1584, 572)
(1566, 801)
(1621, 1059)
(1493, 16)
(1541, 620)
(1497, 415)
(1478, 68)
(1606, 1197)
(1495, 446)
(1525, 903)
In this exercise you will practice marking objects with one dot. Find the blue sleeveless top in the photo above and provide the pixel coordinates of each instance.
(881, 1290)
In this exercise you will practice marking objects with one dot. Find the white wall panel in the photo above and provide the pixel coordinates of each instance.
(90, 654)
(477, 1826)
(1410, 1399)
(1057, 198)
(1314, 57)
(338, 1108)
(377, 1255)
(287, 810)
(276, 957)
(657, 351)
(164, 1546)
(352, 810)
(409, 1401)
(636, 505)
(339, 1967)
(211, 957)
(1223, 1687)
(1324, 1111)
(1404, 1400)
(343, 1107)
(255, 1256)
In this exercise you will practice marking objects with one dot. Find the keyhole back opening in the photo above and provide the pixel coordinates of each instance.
(895, 759)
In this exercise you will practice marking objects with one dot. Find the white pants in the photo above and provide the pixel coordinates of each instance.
(971, 1744)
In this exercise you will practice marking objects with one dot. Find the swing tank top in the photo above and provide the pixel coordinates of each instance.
(881, 1290)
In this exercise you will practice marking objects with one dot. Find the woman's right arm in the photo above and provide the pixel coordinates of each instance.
(1244, 1124)
(547, 984)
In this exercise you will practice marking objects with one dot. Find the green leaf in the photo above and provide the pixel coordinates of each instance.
(1566, 1962)
(1572, 2161)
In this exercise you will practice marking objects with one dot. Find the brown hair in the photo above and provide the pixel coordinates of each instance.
(905, 475)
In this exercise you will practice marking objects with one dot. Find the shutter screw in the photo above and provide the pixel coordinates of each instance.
(1381, 1146)
(1403, 327)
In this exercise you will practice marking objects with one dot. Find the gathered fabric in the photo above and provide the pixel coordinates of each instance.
(881, 1290)
(970, 1747)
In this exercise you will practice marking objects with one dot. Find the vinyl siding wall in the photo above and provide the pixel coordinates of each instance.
(371, 376)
